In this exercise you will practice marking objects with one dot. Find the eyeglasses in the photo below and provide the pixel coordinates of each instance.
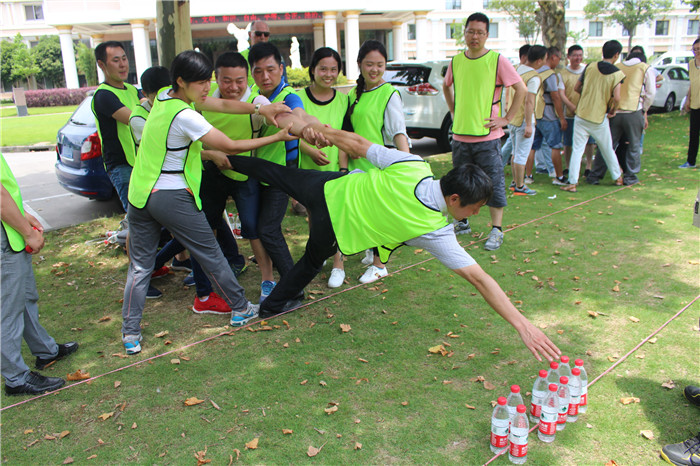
(471, 32)
(262, 34)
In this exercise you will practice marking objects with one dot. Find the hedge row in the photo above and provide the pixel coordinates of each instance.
(56, 97)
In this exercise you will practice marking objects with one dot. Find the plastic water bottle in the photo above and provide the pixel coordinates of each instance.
(583, 405)
(234, 223)
(514, 400)
(553, 373)
(564, 367)
(539, 393)
(575, 394)
(547, 427)
(564, 397)
(519, 427)
(500, 422)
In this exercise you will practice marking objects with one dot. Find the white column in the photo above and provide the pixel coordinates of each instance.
(147, 36)
(397, 32)
(352, 43)
(422, 35)
(95, 40)
(68, 55)
(330, 29)
(318, 35)
(438, 33)
(141, 47)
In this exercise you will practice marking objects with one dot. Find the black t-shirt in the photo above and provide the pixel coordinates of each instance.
(105, 104)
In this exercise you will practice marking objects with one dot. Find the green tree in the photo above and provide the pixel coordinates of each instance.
(627, 13)
(23, 65)
(86, 63)
(694, 5)
(523, 14)
(47, 56)
(551, 18)
(7, 48)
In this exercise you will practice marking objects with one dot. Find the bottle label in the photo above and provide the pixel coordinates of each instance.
(547, 428)
(499, 441)
(561, 417)
(584, 399)
(518, 451)
(573, 409)
(536, 410)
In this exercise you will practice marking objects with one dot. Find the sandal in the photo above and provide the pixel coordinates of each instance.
(619, 182)
(571, 188)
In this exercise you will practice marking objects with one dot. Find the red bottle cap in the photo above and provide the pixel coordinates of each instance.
(564, 380)
(515, 388)
(502, 400)
(565, 359)
(553, 387)
(579, 362)
(576, 371)
(554, 365)
(521, 408)
(543, 373)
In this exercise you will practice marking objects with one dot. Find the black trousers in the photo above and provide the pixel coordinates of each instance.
(694, 136)
(306, 186)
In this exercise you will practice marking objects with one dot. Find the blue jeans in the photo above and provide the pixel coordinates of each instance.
(120, 176)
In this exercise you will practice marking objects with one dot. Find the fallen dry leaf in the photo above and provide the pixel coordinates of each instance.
(323, 383)
(653, 340)
(104, 319)
(670, 385)
(469, 406)
(593, 314)
(161, 334)
(611, 463)
(28, 431)
(488, 385)
(287, 431)
(105, 416)
(68, 460)
(49, 437)
(404, 403)
(174, 361)
(91, 457)
(629, 400)
(616, 288)
(312, 451)
(134, 426)
(303, 382)
(193, 401)
(63, 434)
(647, 434)
(640, 356)
(78, 375)
(253, 444)
(358, 446)
(633, 319)
(215, 405)
(117, 383)
(331, 410)
(362, 360)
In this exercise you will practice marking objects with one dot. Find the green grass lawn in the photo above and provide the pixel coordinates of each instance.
(631, 256)
(40, 126)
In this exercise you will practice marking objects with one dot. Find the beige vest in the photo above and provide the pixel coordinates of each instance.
(520, 115)
(539, 100)
(694, 85)
(570, 80)
(597, 92)
(631, 90)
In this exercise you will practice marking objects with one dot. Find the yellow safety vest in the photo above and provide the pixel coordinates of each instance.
(570, 80)
(694, 85)
(631, 90)
(475, 87)
(597, 93)
(520, 114)
(539, 100)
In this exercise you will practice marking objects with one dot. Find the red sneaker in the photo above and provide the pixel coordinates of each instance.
(161, 272)
(213, 305)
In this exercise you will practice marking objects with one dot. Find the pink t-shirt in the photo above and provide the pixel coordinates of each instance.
(506, 76)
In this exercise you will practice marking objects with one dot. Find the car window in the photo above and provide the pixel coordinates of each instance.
(406, 75)
(682, 60)
(672, 74)
(666, 61)
(83, 114)
(444, 71)
(683, 75)
(659, 71)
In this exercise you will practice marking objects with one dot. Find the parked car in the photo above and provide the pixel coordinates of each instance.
(672, 88)
(79, 166)
(673, 58)
(425, 109)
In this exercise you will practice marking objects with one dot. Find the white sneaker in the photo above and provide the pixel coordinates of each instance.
(337, 278)
(369, 257)
(373, 274)
(241, 318)
(132, 343)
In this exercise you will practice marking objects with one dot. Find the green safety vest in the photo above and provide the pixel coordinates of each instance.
(236, 127)
(331, 113)
(251, 81)
(276, 152)
(475, 86)
(129, 96)
(379, 208)
(153, 148)
(368, 118)
(8, 180)
(138, 112)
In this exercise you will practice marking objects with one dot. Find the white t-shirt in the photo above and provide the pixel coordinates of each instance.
(394, 120)
(533, 85)
(137, 123)
(187, 127)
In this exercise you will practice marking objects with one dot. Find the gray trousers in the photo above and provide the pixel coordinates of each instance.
(176, 211)
(628, 126)
(20, 315)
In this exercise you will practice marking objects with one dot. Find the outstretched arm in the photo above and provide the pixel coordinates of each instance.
(271, 112)
(350, 143)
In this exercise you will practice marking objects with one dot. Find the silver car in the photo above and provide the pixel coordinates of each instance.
(672, 88)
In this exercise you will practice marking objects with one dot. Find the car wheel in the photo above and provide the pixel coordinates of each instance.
(445, 139)
(670, 103)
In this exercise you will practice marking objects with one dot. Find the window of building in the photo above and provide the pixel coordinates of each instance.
(566, 26)
(411, 30)
(453, 4)
(33, 12)
(486, 4)
(662, 28)
(595, 29)
(693, 27)
(625, 32)
(453, 31)
(493, 30)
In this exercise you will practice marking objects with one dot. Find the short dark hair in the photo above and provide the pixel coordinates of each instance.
(553, 50)
(574, 48)
(637, 54)
(638, 48)
(611, 48)
(536, 52)
(469, 182)
(231, 60)
(320, 54)
(478, 17)
(262, 50)
(523, 50)
(191, 66)
(696, 41)
(101, 49)
(154, 79)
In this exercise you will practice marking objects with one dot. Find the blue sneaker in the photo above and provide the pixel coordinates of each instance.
(524, 191)
(686, 165)
(132, 343)
(189, 280)
(266, 288)
(241, 318)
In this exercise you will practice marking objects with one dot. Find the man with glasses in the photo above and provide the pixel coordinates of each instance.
(479, 76)
(259, 32)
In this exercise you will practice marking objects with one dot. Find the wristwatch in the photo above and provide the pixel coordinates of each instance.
(257, 109)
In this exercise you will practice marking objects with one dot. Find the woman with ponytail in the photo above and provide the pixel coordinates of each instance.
(376, 113)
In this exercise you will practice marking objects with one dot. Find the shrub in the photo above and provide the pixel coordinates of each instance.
(56, 97)
(299, 78)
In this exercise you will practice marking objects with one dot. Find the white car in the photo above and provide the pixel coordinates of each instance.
(425, 109)
(673, 58)
(672, 88)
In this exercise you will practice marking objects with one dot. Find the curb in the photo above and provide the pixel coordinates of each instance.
(34, 148)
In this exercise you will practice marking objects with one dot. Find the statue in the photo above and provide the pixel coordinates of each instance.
(241, 35)
(294, 57)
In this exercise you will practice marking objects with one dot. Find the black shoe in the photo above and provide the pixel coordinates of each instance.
(288, 306)
(185, 265)
(630, 181)
(586, 173)
(592, 181)
(684, 454)
(153, 292)
(692, 393)
(63, 350)
(36, 384)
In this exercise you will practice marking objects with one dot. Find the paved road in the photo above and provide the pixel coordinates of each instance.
(46, 199)
(57, 208)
